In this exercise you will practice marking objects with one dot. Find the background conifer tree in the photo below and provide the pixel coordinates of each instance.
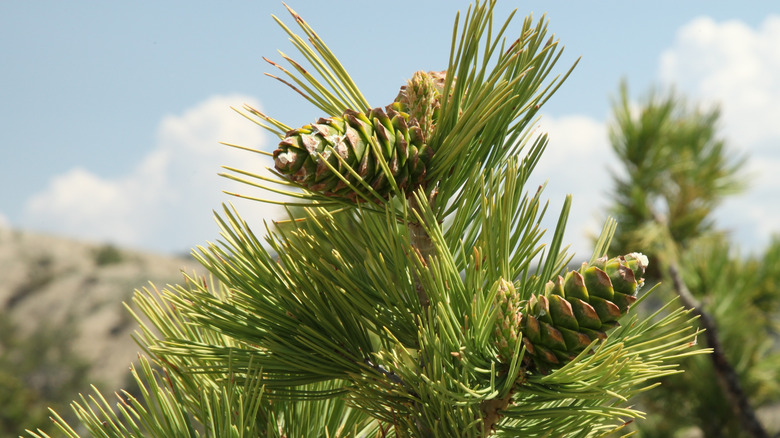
(675, 170)
(418, 296)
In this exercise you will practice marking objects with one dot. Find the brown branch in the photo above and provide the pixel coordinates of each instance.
(727, 375)
(423, 244)
(491, 413)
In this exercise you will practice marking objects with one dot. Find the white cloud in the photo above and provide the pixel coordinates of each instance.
(738, 67)
(753, 218)
(79, 200)
(164, 203)
(575, 162)
(735, 65)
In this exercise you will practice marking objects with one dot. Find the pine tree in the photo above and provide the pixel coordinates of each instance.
(675, 170)
(416, 296)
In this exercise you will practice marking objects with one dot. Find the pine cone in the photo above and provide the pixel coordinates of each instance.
(303, 156)
(421, 98)
(508, 305)
(574, 311)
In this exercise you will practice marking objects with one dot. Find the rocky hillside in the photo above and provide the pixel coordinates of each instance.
(57, 282)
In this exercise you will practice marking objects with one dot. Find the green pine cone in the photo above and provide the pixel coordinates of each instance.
(508, 305)
(329, 155)
(421, 98)
(577, 309)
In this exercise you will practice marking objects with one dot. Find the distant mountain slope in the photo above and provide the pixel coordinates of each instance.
(52, 280)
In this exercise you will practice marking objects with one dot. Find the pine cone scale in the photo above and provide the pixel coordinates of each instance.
(587, 316)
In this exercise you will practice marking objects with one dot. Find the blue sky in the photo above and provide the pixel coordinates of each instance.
(110, 112)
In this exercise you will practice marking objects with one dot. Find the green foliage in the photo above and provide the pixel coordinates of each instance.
(744, 298)
(181, 396)
(676, 171)
(37, 371)
(499, 89)
(378, 318)
(107, 254)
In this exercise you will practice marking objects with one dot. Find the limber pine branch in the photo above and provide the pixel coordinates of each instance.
(727, 375)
